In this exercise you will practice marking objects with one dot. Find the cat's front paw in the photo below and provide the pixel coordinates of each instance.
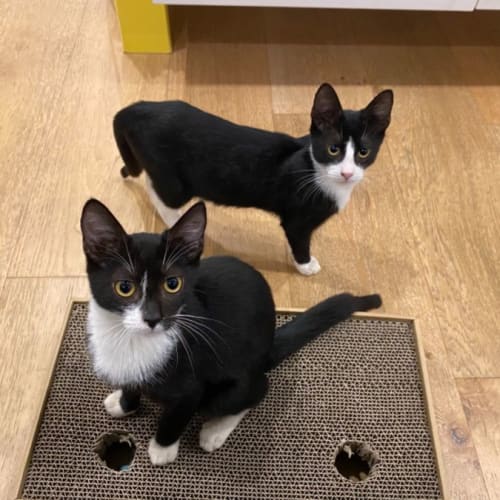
(162, 455)
(309, 268)
(113, 405)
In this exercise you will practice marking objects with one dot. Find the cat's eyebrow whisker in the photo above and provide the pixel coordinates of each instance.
(120, 259)
(128, 254)
(167, 246)
(178, 253)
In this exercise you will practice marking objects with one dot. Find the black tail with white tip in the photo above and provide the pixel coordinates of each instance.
(305, 327)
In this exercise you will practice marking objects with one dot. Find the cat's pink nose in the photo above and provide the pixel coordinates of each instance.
(346, 175)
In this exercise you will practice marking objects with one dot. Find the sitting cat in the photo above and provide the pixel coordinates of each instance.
(194, 336)
(187, 152)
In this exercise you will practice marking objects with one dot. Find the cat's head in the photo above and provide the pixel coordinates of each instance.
(343, 142)
(144, 278)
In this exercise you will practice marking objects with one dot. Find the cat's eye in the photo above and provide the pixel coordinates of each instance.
(125, 288)
(333, 150)
(172, 284)
(363, 152)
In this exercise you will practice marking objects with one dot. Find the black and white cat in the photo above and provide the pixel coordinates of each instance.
(188, 153)
(196, 336)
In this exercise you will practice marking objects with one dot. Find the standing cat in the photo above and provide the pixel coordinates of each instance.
(194, 336)
(187, 152)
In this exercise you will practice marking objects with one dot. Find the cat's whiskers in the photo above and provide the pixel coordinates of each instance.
(204, 317)
(198, 333)
(202, 326)
(311, 185)
(187, 349)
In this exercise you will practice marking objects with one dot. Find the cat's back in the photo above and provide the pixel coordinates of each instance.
(156, 112)
(195, 125)
(232, 288)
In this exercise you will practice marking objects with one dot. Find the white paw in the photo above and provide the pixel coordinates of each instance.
(309, 268)
(113, 406)
(161, 455)
(212, 439)
(214, 433)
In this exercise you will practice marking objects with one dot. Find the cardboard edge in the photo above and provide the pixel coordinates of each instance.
(69, 308)
(429, 406)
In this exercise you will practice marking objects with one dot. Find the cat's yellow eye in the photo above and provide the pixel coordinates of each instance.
(124, 288)
(333, 150)
(172, 284)
(363, 153)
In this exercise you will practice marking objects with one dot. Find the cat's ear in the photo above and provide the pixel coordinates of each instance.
(378, 113)
(187, 235)
(326, 112)
(102, 234)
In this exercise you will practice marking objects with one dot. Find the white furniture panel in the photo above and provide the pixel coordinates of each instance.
(464, 5)
(488, 5)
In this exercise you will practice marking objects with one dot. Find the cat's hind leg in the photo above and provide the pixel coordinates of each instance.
(215, 432)
(168, 215)
(229, 407)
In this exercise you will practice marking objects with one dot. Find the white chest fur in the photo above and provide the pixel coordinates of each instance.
(122, 354)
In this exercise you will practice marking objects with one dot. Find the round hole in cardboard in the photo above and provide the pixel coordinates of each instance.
(116, 449)
(355, 460)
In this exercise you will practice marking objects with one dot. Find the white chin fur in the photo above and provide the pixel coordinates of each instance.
(122, 354)
(329, 176)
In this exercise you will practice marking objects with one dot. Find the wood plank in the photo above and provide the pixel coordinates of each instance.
(28, 351)
(481, 401)
(477, 57)
(99, 82)
(31, 78)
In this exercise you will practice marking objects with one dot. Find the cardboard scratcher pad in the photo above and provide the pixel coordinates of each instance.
(359, 382)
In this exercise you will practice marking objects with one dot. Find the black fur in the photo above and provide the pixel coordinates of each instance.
(187, 152)
(228, 373)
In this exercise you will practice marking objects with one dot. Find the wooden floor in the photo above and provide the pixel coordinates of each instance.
(422, 230)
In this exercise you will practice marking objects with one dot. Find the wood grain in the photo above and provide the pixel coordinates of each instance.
(32, 322)
(421, 229)
(481, 400)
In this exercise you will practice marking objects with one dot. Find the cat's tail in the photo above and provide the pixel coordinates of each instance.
(290, 337)
(132, 166)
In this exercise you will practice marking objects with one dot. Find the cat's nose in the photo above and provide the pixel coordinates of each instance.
(346, 175)
(152, 322)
